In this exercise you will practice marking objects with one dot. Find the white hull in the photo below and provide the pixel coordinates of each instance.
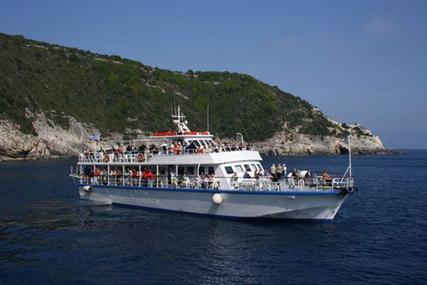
(238, 204)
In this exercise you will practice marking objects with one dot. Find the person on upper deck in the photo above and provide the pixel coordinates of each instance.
(129, 148)
(256, 174)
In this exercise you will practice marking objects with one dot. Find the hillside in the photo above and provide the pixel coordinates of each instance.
(46, 88)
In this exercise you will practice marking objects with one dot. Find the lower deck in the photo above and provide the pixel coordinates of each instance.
(213, 183)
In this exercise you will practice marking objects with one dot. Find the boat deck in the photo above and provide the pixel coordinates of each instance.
(263, 184)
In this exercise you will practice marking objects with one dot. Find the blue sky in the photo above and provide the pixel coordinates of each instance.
(358, 61)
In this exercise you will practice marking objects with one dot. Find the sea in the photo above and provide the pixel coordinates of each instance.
(49, 236)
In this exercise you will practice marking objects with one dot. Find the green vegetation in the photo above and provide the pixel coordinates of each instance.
(114, 93)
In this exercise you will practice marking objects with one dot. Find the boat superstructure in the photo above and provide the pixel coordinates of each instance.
(189, 171)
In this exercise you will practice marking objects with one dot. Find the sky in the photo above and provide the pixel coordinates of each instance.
(358, 61)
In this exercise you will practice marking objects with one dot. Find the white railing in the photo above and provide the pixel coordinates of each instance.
(135, 157)
(214, 182)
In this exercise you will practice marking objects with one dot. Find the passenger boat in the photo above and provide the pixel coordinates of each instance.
(190, 172)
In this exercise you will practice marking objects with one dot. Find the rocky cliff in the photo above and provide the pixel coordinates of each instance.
(50, 140)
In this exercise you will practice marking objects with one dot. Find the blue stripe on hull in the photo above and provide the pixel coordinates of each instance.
(289, 193)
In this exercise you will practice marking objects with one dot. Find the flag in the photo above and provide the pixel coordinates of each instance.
(95, 137)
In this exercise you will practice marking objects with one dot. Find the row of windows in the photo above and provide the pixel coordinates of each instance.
(246, 167)
(191, 170)
(200, 142)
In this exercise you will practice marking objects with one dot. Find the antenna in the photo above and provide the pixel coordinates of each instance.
(349, 155)
(207, 118)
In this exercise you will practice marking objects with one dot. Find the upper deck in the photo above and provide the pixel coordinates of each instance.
(159, 158)
(179, 147)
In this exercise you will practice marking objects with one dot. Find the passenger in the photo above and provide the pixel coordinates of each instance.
(216, 148)
(294, 173)
(197, 182)
(285, 169)
(273, 172)
(200, 149)
(129, 148)
(210, 181)
(235, 180)
(205, 182)
(326, 177)
(185, 181)
(179, 148)
(142, 148)
(133, 173)
(279, 170)
(140, 157)
(173, 179)
(257, 174)
(154, 149)
(164, 148)
(216, 184)
(172, 148)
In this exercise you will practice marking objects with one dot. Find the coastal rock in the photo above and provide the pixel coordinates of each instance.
(290, 142)
(50, 140)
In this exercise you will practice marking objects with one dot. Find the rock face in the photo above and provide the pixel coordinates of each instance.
(300, 144)
(290, 142)
(50, 140)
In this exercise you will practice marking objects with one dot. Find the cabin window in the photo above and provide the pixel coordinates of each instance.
(247, 167)
(180, 170)
(190, 170)
(253, 167)
(162, 170)
(239, 168)
(229, 169)
(197, 143)
(202, 171)
(211, 170)
(259, 166)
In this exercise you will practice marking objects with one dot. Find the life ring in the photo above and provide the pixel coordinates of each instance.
(217, 199)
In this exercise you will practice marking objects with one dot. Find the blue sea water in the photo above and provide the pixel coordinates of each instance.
(49, 236)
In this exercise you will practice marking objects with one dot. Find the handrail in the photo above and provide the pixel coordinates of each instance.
(263, 183)
(134, 157)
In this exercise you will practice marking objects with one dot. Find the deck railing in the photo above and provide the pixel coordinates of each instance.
(214, 182)
(135, 157)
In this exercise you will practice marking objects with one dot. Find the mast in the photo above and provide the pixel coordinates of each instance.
(180, 122)
(207, 118)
